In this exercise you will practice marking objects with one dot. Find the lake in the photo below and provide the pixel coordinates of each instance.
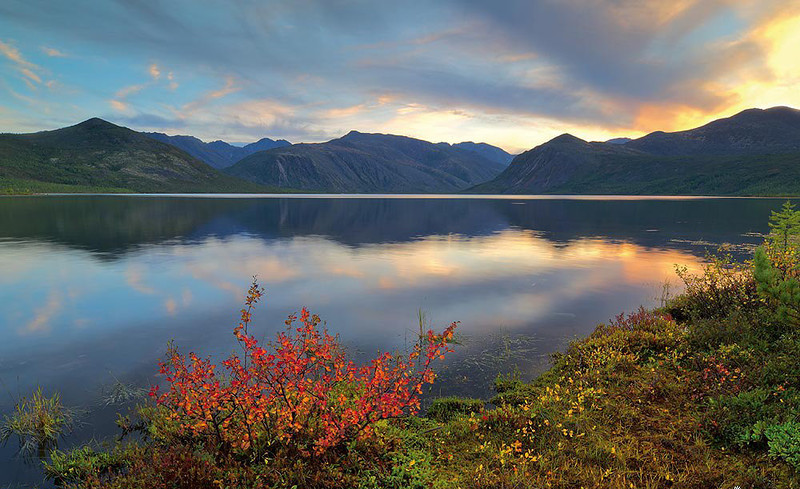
(93, 287)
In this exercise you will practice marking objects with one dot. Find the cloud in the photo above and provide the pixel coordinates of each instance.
(119, 105)
(53, 53)
(173, 85)
(125, 92)
(29, 71)
(30, 74)
(14, 55)
(209, 96)
(120, 102)
(343, 111)
(154, 71)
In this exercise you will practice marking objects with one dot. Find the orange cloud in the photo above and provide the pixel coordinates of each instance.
(28, 70)
(344, 111)
(154, 71)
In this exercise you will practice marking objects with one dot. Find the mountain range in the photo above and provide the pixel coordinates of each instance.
(755, 152)
(369, 163)
(218, 154)
(98, 156)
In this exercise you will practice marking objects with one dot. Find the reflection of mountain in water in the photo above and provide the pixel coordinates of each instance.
(110, 226)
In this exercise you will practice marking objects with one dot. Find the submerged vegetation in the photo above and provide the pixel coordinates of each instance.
(37, 423)
(701, 392)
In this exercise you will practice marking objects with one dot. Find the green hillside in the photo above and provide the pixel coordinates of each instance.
(96, 155)
(756, 152)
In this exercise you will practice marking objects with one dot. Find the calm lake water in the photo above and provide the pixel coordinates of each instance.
(93, 287)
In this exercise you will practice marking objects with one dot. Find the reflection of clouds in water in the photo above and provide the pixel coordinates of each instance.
(14, 263)
(43, 315)
(483, 281)
(426, 262)
(186, 297)
(134, 276)
(171, 306)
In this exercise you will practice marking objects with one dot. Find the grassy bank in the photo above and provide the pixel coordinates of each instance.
(20, 186)
(702, 393)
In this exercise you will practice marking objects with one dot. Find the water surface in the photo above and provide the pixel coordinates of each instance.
(92, 287)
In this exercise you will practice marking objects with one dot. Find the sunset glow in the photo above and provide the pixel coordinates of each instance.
(513, 74)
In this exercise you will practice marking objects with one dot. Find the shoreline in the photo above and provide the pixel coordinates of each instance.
(297, 195)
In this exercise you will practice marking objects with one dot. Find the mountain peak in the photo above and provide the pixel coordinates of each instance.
(95, 123)
(566, 138)
(779, 113)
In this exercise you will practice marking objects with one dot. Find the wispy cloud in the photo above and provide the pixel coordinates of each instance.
(30, 72)
(54, 53)
(125, 92)
(209, 96)
(173, 84)
(120, 102)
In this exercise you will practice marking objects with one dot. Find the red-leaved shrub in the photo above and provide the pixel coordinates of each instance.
(300, 395)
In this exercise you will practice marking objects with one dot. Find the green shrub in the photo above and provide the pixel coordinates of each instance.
(742, 420)
(410, 469)
(784, 442)
(80, 464)
(505, 383)
(781, 365)
(709, 334)
(723, 287)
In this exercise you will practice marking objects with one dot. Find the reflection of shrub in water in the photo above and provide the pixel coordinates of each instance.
(121, 393)
(38, 422)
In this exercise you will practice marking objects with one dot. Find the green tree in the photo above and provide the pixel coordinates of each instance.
(775, 264)
(784, 225)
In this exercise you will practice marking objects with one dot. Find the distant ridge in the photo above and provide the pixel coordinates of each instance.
(372, 163)
(492, 153)
(755, 152)
(218, 154)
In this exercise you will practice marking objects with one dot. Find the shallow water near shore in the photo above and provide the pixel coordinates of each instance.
(92, 287)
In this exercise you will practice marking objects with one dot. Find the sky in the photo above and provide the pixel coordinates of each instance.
(513, 73)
